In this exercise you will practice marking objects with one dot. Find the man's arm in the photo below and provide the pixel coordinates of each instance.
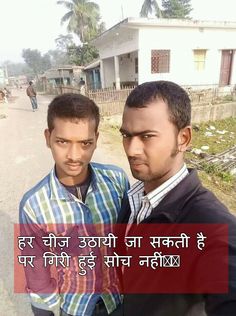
(41, 286)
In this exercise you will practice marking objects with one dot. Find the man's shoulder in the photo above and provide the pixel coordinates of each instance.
(107, 169)
(36, 191)
(111, 174)
(206, 206)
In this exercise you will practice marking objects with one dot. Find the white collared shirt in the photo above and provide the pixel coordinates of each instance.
(142, 205)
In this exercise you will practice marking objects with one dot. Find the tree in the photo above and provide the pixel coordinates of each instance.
(16, 69)
(36, 61)
(83, 18)
(82, 54)
(58, 58)
(178, 9)
(63, 42)
(148, 7)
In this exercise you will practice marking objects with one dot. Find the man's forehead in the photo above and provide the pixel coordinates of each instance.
(74, 120)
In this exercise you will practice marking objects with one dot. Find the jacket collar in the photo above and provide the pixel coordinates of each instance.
(172, 204)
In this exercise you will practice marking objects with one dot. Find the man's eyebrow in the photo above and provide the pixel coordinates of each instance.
(148, 131)
(80, 141)
(61, 138)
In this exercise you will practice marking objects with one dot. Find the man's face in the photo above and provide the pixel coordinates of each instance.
(152, 143)
(72, 143)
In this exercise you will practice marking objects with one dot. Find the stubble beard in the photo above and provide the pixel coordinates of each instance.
(156, 177)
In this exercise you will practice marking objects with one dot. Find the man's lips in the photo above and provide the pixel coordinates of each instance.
(136, 163)
(72, 164)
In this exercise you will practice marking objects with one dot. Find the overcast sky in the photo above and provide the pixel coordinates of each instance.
(36, 24)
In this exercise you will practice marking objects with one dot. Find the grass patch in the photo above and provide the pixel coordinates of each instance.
(217, 171)
(217, 142)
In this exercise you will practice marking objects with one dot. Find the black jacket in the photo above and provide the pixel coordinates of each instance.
(188, 202)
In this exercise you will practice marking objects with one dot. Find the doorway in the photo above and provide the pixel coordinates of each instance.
(226, 67)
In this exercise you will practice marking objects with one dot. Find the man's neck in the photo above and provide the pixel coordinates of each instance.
(71, 181)
(155, 183)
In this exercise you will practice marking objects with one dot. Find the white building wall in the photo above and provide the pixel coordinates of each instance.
(109, 72)
(121, 42)
(181, 42)
(127, 67)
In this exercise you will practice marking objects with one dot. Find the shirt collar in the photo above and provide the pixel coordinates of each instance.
(58, 191)
(155, 196)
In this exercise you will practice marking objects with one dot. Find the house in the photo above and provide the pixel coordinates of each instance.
(93, 78)
(67, 75)
(190, 53)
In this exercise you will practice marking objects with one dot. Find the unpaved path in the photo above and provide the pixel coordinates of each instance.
(24, 160)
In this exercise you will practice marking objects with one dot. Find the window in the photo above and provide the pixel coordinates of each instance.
(160, 61)
(136, 65)
(199, 59)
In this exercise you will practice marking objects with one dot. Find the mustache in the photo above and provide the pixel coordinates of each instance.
(76, 162)
(134, 160)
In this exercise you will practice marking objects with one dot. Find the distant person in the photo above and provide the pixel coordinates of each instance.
(30, 91)
(82, 82)
(82, 86)
(2, 94)
(6, 94)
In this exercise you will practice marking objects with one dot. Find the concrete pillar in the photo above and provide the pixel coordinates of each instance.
(102, 74)
(117, 72)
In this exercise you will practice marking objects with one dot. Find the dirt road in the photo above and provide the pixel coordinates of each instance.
(24, 161)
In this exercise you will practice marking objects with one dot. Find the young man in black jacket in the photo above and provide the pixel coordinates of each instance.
(156, 132)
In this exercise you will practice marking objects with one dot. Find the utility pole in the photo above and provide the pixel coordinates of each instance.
(122, 13)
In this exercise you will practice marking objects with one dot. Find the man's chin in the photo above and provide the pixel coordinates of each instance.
(138, 175)
(73, 172)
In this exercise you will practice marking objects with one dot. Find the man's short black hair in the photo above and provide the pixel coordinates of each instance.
(72, 106)
(173, 95)
(30, 82)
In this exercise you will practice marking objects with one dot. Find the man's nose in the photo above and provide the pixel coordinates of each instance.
(74, 152)
(133, 146)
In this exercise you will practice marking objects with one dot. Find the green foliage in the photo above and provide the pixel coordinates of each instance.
(17, 69)
(37, 62)
(227, 98)
(177, 9)
(217, 171)
(82, 55)
(83, 18)
(58, 58)
(63, 42)
(149, 7)
(217, 143)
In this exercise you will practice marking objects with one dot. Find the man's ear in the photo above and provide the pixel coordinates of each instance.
(47, 137)
(96, 136)
(184, 138)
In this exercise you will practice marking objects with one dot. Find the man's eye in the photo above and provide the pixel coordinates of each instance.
(124, 135)
(86, 144)
(147, 136)
(61, 142)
